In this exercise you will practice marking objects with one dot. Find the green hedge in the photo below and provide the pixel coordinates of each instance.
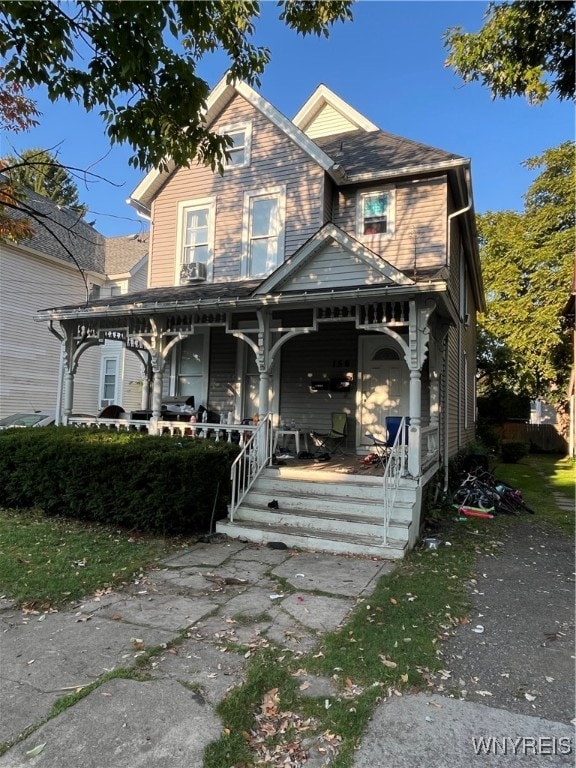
(156, 484)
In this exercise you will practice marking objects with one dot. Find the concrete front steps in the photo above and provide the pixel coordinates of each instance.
(323, 510)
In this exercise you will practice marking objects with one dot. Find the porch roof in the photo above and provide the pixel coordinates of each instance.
(229, 295)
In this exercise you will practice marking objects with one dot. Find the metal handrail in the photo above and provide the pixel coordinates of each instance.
(255, 455)
(396, 467)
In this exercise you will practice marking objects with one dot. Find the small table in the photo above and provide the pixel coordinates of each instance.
(295, 433)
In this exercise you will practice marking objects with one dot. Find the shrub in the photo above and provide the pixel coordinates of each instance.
(156, 484)
(511, 453)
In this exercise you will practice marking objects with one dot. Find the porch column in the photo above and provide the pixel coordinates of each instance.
(147, 378)
(414, 447)
(157, 374)
(68, 393)
(264, 393)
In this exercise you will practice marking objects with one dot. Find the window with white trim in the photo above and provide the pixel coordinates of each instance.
(189, 375)
(108, 381)
(195, 243)
(239, 152)
(375, 212)
(263, 231)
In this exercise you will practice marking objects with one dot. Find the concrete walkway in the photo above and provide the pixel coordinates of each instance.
(209, 598)
(197, 609)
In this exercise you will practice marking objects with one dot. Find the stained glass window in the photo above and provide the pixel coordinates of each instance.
(375, 213)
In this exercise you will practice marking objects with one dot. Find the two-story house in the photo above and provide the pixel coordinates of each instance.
(64, 260)
(332, 268)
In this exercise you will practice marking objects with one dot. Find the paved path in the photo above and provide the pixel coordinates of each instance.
(506, 695)
(224, 594)
(208, 598)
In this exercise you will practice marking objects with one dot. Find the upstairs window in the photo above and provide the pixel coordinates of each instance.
(196, 236)
(196, 233)
(263, 230)
(375, 212)
(239, 151)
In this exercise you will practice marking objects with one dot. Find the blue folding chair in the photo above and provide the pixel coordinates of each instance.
(383, 448)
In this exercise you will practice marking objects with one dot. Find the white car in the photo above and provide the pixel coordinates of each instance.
(31, 419)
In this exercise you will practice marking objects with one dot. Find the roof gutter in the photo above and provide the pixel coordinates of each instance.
(410, 170)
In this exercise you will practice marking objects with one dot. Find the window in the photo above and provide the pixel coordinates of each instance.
(375, 212)
(196, 239)
(189, 375)
(196, 233)
(263, 231)
(109, 380)
(239, 152)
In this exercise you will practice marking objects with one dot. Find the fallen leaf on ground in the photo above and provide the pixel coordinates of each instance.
(36, 750)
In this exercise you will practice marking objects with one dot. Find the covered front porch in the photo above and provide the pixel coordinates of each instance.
(256, 364)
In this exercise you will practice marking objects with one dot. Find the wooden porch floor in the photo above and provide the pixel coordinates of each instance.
(348, 464)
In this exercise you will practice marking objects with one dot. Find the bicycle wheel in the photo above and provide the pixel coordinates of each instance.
(507, 507)
(527, 508)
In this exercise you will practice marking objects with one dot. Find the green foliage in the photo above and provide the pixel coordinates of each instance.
(40, 171)
(502, 405)
(496, 366)
(152, 484)
(137, 63)
(53, 560)
(527, 263)
(524, 48)
(511, 452)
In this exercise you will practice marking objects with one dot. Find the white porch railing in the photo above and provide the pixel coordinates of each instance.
(252, 459)
(429, 447)
(218, 432)
(396, 468)
(424, 454)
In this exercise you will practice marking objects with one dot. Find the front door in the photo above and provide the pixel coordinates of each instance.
(384, 385)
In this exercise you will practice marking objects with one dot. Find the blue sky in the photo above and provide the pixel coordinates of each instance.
(388, 64)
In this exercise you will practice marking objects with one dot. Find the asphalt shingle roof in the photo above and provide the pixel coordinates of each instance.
(236, 289)
(124, 252)
(361, 152)
(60, 231)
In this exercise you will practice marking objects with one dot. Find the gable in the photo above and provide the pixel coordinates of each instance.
(325, 114)
(332, 260)
(219, 98)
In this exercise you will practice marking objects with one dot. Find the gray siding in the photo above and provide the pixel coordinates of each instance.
(420, 225)
(316, 357)
(275, 160)
(29, 353)
(333, 267)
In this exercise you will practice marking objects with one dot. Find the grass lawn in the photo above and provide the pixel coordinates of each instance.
(48, 561)
(387, 647)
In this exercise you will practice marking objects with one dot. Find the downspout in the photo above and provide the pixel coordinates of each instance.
(446, 412)
(452, 216)
(58, 420)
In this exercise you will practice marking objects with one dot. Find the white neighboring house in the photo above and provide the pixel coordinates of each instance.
(65, 258)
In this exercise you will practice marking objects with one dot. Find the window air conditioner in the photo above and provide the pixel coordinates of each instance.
(193, 273)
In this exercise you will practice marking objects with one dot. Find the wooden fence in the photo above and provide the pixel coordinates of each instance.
(540, 437)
